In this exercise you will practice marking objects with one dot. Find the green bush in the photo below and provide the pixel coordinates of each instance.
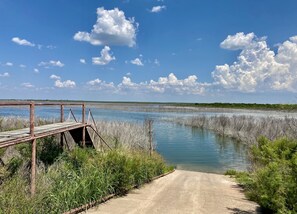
(273, 182)
(48, 150)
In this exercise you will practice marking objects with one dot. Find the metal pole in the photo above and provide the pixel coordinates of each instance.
(84, 128)
(101, 143)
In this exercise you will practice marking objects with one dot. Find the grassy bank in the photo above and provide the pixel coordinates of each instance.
(273, 180)
(69, 179)
(77, 178)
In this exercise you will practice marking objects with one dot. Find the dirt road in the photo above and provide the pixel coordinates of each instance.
(182, 192)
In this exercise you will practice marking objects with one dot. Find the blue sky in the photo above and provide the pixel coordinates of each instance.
(149, 50)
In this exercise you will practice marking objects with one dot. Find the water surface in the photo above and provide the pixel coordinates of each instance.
(185, 147)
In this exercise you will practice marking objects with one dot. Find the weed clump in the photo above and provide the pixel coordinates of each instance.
(246, 129)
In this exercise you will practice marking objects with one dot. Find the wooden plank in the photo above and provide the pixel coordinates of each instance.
(39, 128)
(4, 139)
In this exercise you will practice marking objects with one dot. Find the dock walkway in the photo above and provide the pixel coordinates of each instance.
(9, 138)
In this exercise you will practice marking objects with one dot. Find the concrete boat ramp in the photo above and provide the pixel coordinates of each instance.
(182, 192)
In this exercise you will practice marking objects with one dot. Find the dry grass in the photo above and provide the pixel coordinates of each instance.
(246, 129)
(12, 123)
(124, 134)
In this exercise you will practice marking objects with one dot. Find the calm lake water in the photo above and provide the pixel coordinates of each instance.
(185, 147)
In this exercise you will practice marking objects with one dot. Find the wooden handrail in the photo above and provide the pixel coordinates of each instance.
(24, 103)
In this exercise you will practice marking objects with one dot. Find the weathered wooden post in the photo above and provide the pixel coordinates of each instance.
(62, 120)
(32, 119)
(84, 128)
(62, 113)
(149, 125)
(33, 159)
(151, 136)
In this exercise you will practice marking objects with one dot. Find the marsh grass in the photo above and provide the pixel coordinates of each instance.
(124, 134)
(246, 129)
(13, 123)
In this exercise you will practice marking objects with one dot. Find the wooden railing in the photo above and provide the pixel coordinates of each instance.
(32, 110)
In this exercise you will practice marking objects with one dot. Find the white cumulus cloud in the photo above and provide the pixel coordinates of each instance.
(55, 77)
(105, 58)
(6, 74)
(94, 82)
(137, 61)
(65, 84)
(258, 68)
(27, 85)
(293, 39)
(98, 84)
(24, 42)
(112, 28)
(9, 64)
(170, 84)
(158, 9)
(237, 41)
(52, 63)
(83, 61)
(189, 85)
(62, 84)
(127, 82)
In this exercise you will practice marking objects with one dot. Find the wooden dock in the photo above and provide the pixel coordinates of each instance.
(10, 138)
(78, 131)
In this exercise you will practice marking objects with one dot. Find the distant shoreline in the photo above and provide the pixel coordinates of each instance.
(253, 106)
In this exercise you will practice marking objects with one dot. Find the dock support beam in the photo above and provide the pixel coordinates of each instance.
(33, 159)
(62, 113)
(62, 120)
